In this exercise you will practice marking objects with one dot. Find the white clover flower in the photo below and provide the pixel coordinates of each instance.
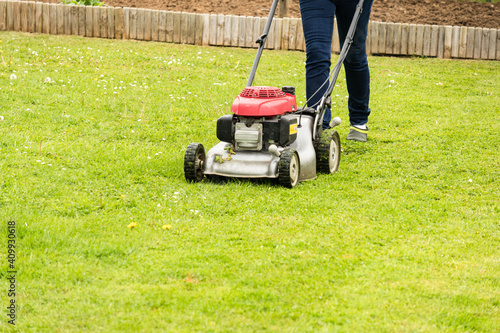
(47, 80)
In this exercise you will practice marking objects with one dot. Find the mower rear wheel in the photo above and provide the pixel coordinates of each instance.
(328, 152)
(194, 162)
(289, 168)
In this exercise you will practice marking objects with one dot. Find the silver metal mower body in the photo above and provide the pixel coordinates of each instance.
(222, 161)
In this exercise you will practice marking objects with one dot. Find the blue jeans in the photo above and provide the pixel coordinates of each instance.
(317, 22)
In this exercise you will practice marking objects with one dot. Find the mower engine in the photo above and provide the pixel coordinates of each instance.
(261, 118)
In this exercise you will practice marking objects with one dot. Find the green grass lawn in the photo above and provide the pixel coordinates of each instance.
(404, 238)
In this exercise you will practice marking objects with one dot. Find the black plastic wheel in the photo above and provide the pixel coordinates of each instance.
(328, 152)
(289, 168)
(194, 162)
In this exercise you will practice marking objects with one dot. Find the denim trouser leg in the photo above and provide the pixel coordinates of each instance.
(317, 22)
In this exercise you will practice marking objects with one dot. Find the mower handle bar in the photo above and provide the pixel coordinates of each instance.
(262, 41)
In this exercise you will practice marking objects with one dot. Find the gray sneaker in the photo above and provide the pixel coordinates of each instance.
(357, 134)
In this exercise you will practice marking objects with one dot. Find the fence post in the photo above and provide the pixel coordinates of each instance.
(283, 8)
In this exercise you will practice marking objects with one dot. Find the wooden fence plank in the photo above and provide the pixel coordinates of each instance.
(498, 45)
(126, 23)
(462, 48)
(45, 18)
(155, 28)
(270, 37)
(205, 39)
(382, 36)
(140, 23)
(17, 16)
(389, 39)
(53, 19)
(133, 23)
(434, 40)
(220, 30)
(82, 17)
(183, 31)
(241, 31)
(103, 22)
(228, 21)
(248, 31)
(235, 20)
(212, 36)
(374, 37)
(412, 38)
(485, 45)
(256, 31)
(426, 50)
(9, 16)
(23, 12)
(262, 22)
(448, 34)
(60, 19)
(455, 41)
(3, 15)
(471, 34)
(493, 44)
(404, 38)
(89, 19)
(419, 40)
(300, 44)
(177, 27)
(277, 33)
(111, 22)
(293, 33)
(398, 35)
(198, 32)
(31, 16)
(147, 24)
(441, 42)
(68, 19)
(74, 20)
(162, 25)
(38, 17)
(191, 28)
(285, 34)
(169, 30)
(96, 21)
(478, 40)
(118, 17)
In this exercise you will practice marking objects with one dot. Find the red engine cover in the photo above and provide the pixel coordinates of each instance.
(263, 102)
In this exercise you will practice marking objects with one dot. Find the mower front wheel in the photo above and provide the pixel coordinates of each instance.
(328, 152)
(289, 168)
(194, 162)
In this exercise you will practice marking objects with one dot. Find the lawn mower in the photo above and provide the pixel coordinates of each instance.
(267, 136)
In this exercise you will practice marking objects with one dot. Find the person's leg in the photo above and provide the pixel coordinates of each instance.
(317, 23)
(356, 63)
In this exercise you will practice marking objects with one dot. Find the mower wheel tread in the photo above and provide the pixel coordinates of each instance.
(194, 162)
(288, 168)
(328, 144)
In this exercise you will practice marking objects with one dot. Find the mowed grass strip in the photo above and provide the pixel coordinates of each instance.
(110, 237)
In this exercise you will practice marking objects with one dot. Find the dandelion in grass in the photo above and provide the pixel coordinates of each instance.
(166, 227)
(132, 225)
(13, 76)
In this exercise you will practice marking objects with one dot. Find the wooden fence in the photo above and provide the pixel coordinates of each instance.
(239, 31)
